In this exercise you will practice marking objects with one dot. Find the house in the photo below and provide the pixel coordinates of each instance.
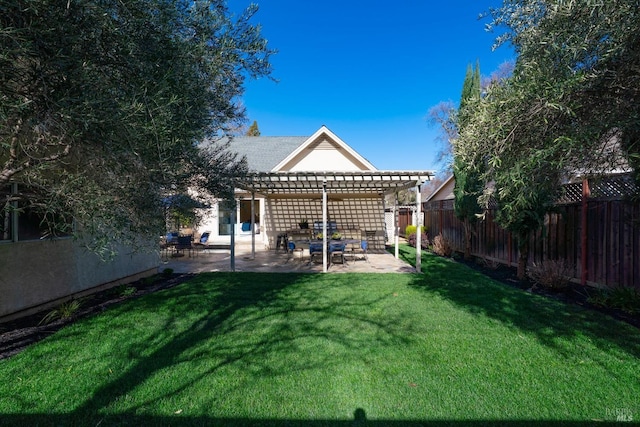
(443, 192)
(318, 178)
(37, 273)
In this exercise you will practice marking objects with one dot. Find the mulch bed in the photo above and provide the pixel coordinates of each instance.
(573, 294)
(18, 334)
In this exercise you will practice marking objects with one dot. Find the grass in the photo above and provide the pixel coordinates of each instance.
(445, 347)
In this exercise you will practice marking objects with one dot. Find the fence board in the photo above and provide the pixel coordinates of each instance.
(613, 238)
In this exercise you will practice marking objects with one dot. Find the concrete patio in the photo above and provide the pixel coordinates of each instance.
(210, 260)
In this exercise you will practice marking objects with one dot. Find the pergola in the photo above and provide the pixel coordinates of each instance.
(333, 185)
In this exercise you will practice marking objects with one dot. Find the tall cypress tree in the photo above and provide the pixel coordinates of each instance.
(468, 185)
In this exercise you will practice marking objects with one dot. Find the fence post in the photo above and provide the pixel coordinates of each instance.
(586, 193)
(440, 217)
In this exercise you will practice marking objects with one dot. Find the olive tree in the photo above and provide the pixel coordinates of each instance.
(589, 51)
(104, 103)
(573, 88)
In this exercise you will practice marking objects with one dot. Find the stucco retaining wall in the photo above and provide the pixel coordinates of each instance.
(35, 273)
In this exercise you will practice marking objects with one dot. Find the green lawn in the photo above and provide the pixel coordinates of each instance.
(447, 346)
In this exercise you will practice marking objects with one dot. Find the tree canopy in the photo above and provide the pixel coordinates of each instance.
(253, 129)
(574, 89)
(104, 103)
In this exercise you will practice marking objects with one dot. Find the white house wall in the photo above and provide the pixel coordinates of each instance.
(209, 222)
(34, 273)
(324, 154)
(322, 160)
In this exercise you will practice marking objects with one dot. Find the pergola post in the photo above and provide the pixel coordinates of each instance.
(349, 184)
(419, 229)
(324, 226)
(232, 246)
(396, 227)
(253, 225)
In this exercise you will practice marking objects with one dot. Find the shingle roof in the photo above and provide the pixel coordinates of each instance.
(263, 153)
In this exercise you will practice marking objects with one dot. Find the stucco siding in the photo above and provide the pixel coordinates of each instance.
(38, 272)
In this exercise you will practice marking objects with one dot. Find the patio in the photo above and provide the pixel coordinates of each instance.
(277, 262)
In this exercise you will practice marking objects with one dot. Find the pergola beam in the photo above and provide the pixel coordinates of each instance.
(334, 186)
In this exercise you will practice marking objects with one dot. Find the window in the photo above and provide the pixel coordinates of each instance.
(20, 222)
(6, 213)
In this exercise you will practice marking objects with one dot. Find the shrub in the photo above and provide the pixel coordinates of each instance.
(410, 234)
(149, 280)
(124, 290)
(490, 264)
(412, 229)
(550, 274)
(66, 310)
(424, 240)
(442, 246)
(127, 291)
(167, 272)
(623, 298)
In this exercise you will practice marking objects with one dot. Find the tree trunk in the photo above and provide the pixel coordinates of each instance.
(467, 239)
(523, 256)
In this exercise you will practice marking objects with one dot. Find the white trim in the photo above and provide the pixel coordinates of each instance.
(324, 130)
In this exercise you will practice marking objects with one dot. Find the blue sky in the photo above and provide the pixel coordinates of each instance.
(369, 71)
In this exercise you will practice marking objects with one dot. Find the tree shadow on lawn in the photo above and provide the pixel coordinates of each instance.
(241, 303)
(359, 420)
(549, 320)
(238, 306)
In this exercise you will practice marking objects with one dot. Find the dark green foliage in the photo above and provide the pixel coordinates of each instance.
(570, 107)
(253, 129)
(104, 103)
(622, 298)
(580, 61)
(468, 187)
(64, 311)
(468, 183)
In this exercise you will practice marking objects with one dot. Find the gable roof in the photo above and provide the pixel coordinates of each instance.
(297, 153)
(444, 191)
(263, 153)
(305, 157)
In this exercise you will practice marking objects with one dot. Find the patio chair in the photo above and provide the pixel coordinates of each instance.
(315, 249)
(202, 243)
(184, 244)
(294, 251)
(353, 246)
(281, 241)
(337, 249)
(361, 249)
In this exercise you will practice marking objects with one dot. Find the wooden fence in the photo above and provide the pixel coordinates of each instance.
(405, 217)
(598, 235)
